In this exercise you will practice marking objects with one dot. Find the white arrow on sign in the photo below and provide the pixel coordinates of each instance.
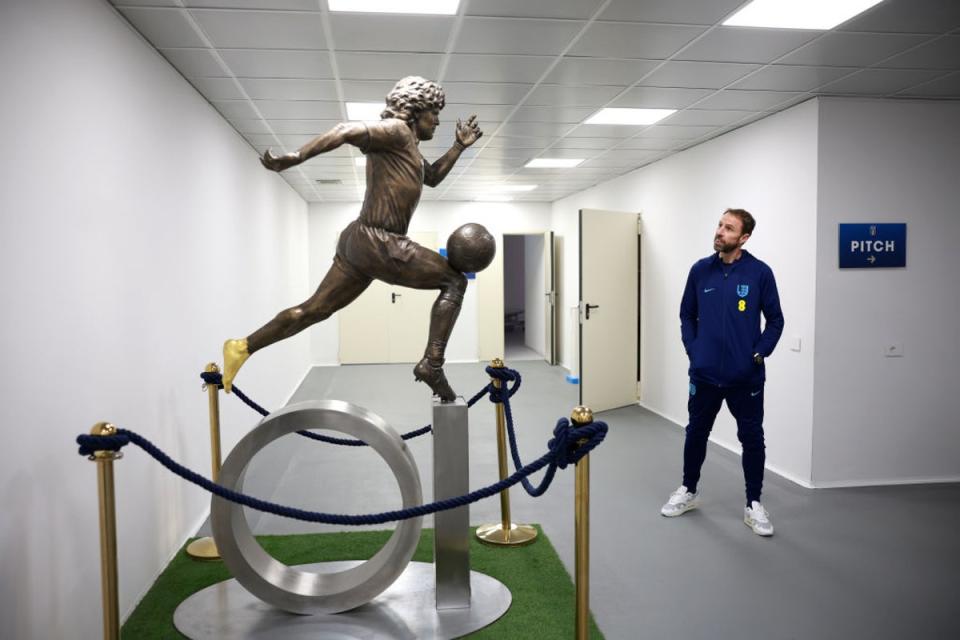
(872, 259)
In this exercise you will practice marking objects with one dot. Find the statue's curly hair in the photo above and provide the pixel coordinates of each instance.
(410, 96)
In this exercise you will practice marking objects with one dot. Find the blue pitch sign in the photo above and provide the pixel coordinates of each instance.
(870, 246)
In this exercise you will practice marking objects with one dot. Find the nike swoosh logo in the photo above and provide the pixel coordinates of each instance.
(710, 289)
(754, 394)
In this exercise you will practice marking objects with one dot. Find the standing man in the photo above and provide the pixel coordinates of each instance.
(720, 326)
(375, 245)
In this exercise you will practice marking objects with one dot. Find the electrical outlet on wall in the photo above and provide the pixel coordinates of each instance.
(893, 350)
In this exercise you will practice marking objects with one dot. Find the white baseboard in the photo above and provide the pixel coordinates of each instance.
(885, 482)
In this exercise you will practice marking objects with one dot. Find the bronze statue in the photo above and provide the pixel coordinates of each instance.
(375, 246)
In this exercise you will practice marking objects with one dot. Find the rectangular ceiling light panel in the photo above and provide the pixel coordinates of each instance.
(366, 111)
(553, 163)
(432, 7)
(798, 14)
(612, 115)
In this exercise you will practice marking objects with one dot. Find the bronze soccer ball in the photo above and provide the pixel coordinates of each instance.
(471, 248)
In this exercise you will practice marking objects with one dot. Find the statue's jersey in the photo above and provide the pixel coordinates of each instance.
(394, 176)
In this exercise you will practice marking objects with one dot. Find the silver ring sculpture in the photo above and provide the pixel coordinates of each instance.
(292, 589)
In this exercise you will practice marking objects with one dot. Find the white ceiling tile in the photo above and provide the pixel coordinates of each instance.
(261, 29)
(519, 142)
(947, 86)
(675, 132)
(660, 97)
(586, 71)
(485, 112)
(552, 114)
(942, 53)
(299, 109)
(490, 68)
(163, 27)
(790, 78)
(707, 117)
(583, 144)
(276, 5)
(236, 109)
(570, 9)
(381, 32)
(387, 66)
(908, 16)
(702, 12)
(617, 131)
(536, 129)
(747, 100)
(366, 90)
(515, 36)
(194, 63)
(486, 92)
(840, 49)
(653, 144)
(250, 125)
(698, 75)
(746, 44)
(572, 96)
(631, 40)
(878, 81)
(144, 3)
(268, 63)
(303, 127)
(218, 88)
(289, 89)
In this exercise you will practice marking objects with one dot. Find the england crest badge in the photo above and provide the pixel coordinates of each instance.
(743, 290)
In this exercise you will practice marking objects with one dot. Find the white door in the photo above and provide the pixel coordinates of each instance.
(550, 300)
(387, 323)
(608, 309)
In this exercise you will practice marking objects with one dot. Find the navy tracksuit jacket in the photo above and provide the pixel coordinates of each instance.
(720, 327)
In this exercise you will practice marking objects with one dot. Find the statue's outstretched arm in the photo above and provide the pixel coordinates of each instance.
(354, 133)
(467, 133)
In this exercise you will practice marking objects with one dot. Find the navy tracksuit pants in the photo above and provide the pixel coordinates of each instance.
(746, 405)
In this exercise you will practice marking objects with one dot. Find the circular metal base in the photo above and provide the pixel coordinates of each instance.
(404, 611)
(203, 549)
(517, 535)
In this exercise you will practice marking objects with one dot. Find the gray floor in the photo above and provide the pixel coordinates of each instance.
(872, 563)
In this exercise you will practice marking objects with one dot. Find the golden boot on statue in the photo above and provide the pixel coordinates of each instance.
(375, 245)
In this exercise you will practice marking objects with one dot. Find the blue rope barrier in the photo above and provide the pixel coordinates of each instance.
(564, 448)
(216, 378)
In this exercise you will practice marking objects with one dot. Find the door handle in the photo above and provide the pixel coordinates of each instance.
(591, 306)
(394, 296)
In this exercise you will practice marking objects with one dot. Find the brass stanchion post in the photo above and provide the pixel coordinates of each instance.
(108, 532)
(205, 548)
(504, 532)
(581, 520)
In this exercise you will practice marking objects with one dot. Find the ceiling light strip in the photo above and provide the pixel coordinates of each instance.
(451, 40)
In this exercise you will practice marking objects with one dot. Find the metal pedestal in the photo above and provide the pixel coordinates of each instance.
(404, 611)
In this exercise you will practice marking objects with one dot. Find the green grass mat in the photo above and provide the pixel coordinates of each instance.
(543, 594)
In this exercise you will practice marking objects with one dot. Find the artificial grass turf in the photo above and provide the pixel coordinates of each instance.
(543, 594)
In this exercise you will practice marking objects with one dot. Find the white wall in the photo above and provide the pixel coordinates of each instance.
(883, 419)
(137, 231)
(327, 219)
(535, 326)
(768, 168)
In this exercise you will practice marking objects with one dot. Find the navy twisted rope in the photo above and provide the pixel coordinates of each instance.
(564, 449)
(217, 379)
(507, 375)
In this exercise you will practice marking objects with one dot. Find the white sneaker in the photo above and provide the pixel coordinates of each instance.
(757, 518)
(680, 502)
